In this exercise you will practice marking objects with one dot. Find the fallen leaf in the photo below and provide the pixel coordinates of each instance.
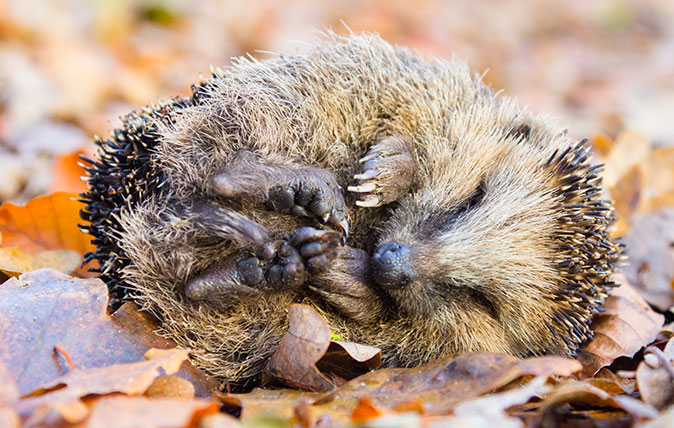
(626, 325)
(171, 387)
(307, 339)
(364, 411)
(576, 392)
(650, 251)
(491, 409)
(9, 393)
(128, 412)
(141, 326)
(260, 402)
(8, 418)
(443, 384)
(630, 149)
(45, 223)
(68, 173)
(654, 376)
(14, 261)
(626, 195)
(602, 144)
(45, 308)
(349, 360)
(307, 359)
(664, 420)
(131, 378)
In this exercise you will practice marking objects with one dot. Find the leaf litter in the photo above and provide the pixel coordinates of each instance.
(63, 357)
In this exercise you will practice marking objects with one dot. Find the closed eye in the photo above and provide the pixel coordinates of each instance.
(473, 201)
(443, 221)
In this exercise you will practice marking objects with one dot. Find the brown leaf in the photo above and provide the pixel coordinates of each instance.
(67, 174)
(64, 393)
(364, 411)
(602, 144)
(8, 418)
(9, 393)
(281, 403)
(444, 383)
(349, 360)
(654, 376)
(141, 326)
(575, 392)
(626, 195)
(171, 387)
(14, 261)
(45, 308)
(627, 325)
(491, 409)
(294, 362)
(131, 412)
(650, 253)
(307, 359)
(630, 149)
(660, 179)
(45, 223)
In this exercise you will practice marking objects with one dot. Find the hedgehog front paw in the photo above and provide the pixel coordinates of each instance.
(287, 263)
(389, 169)
(311, 195)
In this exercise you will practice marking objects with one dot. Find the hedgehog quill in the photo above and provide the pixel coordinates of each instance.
(415, 209)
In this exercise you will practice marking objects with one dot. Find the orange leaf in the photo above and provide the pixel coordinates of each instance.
(45, 223)
(68, 174)
(364, 411)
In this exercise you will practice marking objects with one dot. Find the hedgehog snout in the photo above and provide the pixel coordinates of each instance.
(391, 266)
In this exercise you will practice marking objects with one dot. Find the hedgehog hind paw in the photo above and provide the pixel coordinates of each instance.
(287, 263)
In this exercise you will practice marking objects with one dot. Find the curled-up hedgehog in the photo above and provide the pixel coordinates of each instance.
(415, 209)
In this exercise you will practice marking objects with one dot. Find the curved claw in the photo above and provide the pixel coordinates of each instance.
(364, 187)
(369, 201)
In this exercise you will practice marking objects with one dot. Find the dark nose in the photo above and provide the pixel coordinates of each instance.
(391, 267)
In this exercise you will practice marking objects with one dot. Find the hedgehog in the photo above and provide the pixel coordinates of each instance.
(413, 207)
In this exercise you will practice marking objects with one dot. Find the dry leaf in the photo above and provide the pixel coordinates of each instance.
(8, 390)
(45, 223)
(364, 411)
(45, 308)
(63, 394)
(281, 403)
(654, 376)
(575, 392)
(171, 387)
(650, 251)
(490, 410)
(14, 261)
(127, 412)
(627, 325)
(349, 360)
(67, 175)
(307, 359)
(630, 149)
(443, 384)
(8, 418)
(294, 362)
(626, 195)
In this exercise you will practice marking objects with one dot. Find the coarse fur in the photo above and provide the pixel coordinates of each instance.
(501, 211)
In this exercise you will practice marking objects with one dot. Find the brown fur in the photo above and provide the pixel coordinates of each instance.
(479, 197)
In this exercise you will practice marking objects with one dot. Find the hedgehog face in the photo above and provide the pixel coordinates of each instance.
(479, 236)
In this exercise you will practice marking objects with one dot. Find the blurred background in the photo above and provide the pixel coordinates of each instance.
(604, 69)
